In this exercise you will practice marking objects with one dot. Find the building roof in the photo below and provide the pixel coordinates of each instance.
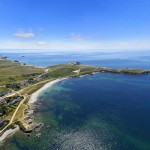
(1, 120)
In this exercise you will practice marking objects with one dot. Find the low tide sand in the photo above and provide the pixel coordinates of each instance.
(35, 95)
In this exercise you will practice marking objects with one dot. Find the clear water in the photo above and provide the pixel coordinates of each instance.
(112, 59)
(100, 112)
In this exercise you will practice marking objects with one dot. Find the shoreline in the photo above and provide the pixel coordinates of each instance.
(34, 96)
(8, 133)
(32, 100)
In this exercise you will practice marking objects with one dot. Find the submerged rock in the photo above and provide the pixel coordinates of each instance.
(38, 127)
(38, 135)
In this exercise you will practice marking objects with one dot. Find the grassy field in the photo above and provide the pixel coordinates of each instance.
(20, 113)
(11, 72)
(3, 89)
(67, 70)
(132, 71)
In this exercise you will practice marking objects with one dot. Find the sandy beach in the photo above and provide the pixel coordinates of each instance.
(35, 95)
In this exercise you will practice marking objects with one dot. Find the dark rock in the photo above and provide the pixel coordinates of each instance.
(28, 130)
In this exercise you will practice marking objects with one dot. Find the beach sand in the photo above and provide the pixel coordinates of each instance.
(35, 95)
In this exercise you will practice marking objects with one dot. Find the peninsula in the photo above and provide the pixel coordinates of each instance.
(21, 83)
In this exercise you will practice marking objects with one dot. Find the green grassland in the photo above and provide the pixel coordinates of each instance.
(3, 89)
(65, 70)
(11, 72)
(133, 71)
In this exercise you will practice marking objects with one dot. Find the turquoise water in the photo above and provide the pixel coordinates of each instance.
(100, 112)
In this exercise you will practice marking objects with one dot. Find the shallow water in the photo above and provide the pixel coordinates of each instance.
(100, 112)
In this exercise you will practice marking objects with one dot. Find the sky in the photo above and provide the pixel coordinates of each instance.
(75, 24)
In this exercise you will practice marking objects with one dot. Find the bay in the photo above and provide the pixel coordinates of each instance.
(100, 112)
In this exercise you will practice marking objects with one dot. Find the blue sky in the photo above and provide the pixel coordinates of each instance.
(75, 24)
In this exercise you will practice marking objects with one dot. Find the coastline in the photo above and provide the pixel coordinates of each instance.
(8, 133)
(34, 96)
(32, 100)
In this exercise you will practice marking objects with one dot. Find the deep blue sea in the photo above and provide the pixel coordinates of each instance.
(125, 59)
(104, 111)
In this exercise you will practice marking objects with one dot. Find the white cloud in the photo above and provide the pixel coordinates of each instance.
(77, 37)
(22, 34)
(42, 43)
(75, 45)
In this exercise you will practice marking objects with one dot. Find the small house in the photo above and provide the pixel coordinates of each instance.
(2, 121)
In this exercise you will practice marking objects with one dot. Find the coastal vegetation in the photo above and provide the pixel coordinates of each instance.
(19, 81)
(11, 71)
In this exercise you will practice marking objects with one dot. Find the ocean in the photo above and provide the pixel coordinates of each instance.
(125, 59)
(104, 111)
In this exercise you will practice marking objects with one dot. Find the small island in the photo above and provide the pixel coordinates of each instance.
(20, 85)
